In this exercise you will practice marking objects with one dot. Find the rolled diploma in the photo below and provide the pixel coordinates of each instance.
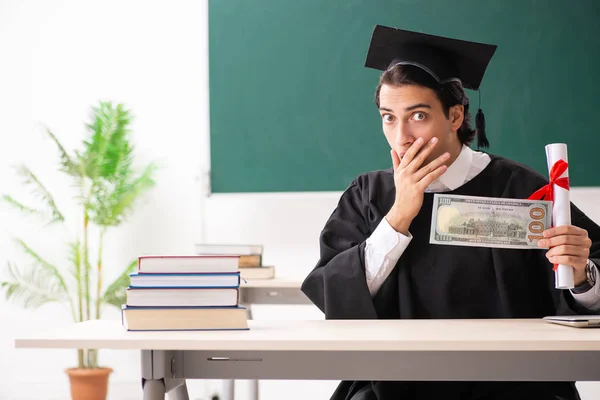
(561, 211)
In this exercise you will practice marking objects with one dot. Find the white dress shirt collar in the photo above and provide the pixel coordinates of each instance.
(456, 174)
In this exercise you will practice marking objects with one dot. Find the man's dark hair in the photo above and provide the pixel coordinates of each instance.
(449, 94)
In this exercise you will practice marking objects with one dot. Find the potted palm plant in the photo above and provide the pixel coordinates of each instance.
(107, 189)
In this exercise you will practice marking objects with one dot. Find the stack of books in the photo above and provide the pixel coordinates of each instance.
(250, 258)
(184, 293)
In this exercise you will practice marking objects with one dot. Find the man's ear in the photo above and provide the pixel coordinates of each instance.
(457, 116)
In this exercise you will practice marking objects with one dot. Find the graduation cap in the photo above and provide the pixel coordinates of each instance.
(445, 59)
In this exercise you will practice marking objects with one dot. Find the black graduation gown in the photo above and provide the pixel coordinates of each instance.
(435, 281)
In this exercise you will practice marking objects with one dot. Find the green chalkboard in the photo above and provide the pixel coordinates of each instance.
(291, 103)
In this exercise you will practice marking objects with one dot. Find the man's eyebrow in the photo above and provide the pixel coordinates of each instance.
(409, 108)
(415, 106)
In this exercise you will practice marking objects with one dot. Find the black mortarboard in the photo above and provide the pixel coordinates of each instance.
(443, 58)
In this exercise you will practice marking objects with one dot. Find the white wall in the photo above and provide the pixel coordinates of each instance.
(60, 57)
(57, 59)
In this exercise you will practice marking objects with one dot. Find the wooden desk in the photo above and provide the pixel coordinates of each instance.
(500, 350)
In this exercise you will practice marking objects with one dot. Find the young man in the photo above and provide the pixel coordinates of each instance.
(376, 260)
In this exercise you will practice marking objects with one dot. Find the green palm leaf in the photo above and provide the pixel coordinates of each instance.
(48, 268)
(116, 293)
(115, 206)
(32, 287)
(109, 159)
(109, 146)
(40, 191)
(23, 208)
(118, 152)
(75, 258)
(66, 161)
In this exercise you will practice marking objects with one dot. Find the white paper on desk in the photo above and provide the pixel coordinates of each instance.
(561, 211)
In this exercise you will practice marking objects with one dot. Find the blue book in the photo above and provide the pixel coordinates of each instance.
(205, 280)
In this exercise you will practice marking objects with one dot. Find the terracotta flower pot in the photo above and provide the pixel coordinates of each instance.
(88, 383)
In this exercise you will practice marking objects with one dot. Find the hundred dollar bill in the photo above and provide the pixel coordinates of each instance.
(488, 221)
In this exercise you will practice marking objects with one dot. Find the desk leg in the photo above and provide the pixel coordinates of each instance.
(254, 389)
(179, 393)
(253, 382)
(154, 389)
(162, 372)
(228, 389)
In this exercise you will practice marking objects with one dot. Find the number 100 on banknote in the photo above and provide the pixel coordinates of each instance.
(488, 221)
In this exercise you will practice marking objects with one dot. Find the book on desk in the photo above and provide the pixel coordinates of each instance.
(191, 292)
(250, 262)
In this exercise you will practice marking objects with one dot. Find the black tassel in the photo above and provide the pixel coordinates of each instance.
(482, 140)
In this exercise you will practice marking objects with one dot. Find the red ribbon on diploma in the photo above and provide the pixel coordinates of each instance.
(547, 191)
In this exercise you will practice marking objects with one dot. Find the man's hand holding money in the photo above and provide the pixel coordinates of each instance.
(569, 245)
